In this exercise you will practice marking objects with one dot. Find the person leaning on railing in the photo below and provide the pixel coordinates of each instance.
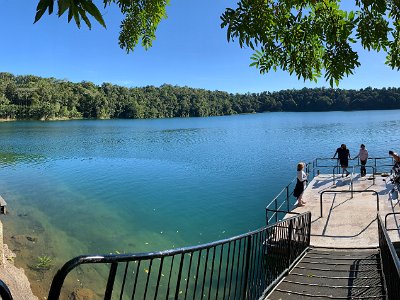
(363, 155)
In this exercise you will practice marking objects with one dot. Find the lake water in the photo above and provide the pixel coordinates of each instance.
(115, 186)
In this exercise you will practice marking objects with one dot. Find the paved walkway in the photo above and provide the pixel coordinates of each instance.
(349, 221)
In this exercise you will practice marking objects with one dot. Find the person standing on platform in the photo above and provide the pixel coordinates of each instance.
(300, 184)
(343, 156)
(396, 158)
(363, 155)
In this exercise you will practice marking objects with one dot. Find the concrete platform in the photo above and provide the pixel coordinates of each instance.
(349, 221)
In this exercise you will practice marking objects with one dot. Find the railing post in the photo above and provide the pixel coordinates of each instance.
(377, 201)
(111, 280)
(290, 243)
(320, 203)
(373, 175)
(247, 267)
(351, 186)
(287, 198)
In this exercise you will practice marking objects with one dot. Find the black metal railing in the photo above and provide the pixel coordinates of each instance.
(378, 164)
(282, 204)
(392, 214)
(242, 267)
(390, 262)
(5, 293)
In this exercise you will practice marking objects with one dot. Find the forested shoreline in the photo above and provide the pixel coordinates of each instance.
(33, 97)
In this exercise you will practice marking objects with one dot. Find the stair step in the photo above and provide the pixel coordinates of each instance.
(284, 295)
(336, 273)
(336, 280)
(347, 262)
(345, 285)
(337, 267)
(342, 258)
(343, 252)
(333, 291)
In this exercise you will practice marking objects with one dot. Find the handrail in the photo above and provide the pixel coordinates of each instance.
(389, 214)
(338, 192)
(390, 262)
(310, 170)
(250, 262)
(373, 159)
(275, 214)
(5, 293)
(280, 193)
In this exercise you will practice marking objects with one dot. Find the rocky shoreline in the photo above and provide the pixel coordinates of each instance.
(15, 278)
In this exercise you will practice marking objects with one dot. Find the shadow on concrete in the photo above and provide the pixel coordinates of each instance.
(346, 236)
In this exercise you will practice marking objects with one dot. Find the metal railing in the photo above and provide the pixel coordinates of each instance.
(391, 214)
(379, 164)
(281, 204)
(242, 267)
(390, 262)
(5, 293)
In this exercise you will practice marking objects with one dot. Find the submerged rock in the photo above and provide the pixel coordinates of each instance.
(24, 240)
(82, 294)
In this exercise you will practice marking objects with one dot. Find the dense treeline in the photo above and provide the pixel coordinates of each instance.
(33, 97)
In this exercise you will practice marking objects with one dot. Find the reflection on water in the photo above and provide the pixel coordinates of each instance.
(9, 159)
(81, 187)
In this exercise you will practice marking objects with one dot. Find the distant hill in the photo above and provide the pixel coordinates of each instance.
(33, 97)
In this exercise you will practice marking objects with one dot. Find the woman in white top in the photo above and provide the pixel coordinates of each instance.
(300, 184)
(363, 155)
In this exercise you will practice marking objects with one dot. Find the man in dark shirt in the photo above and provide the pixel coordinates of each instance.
(343, 156)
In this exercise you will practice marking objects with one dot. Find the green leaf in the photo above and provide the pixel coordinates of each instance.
(70, 15)
(41, 8)
(94, 11)
(75, 12)
(39, 14)
(84, 17)
(63, 5)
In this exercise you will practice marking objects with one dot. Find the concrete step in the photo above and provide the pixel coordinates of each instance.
(335, 280)
(343, 253)
(310, 272)
(338, 267)
(284, 295)
(333, 291)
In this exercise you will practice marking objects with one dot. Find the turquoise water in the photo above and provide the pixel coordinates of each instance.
(145, 185)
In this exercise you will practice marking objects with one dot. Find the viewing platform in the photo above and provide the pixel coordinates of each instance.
(353, 239)
(344, 210)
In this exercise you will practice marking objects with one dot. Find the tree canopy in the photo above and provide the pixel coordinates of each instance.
(308, 38)
(34, 97)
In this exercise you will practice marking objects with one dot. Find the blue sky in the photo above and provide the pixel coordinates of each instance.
(190, 50)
